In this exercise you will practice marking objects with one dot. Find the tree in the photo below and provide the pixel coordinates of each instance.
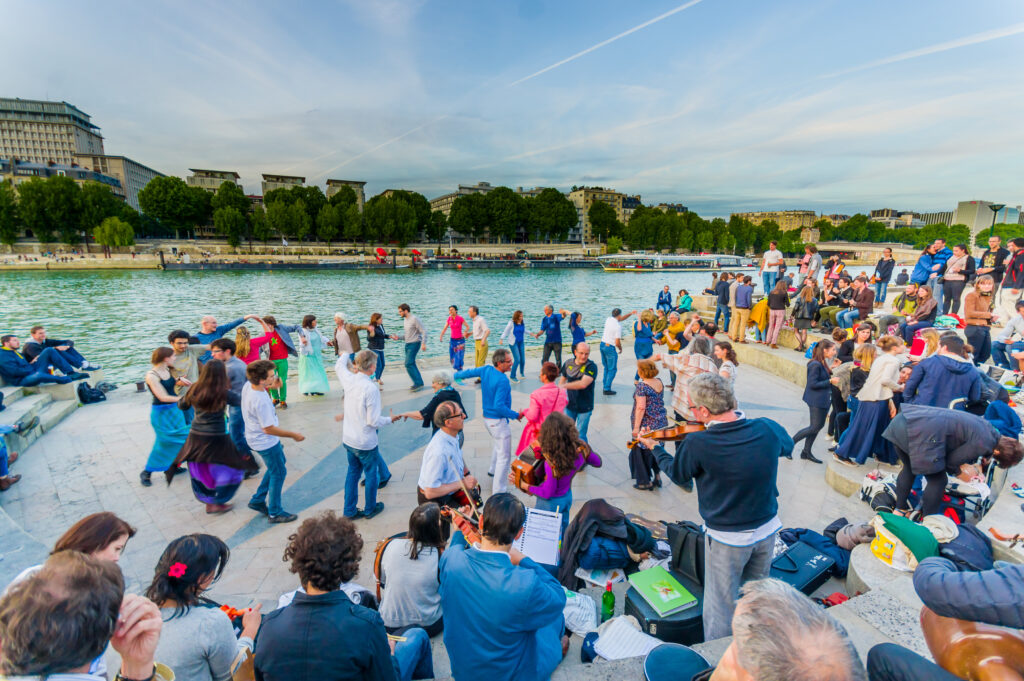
(261, 227)
(230, 222)
(438, 226)
(280, 218)
(10, 221)
(553, 215)
(505, 213)
(354, 227)
(469, 215)
(343, 198)
(614, 245)
(98, 204)
(390, 218)
(230, 195)
(603, 220)
(114, 232)
(419, 205)
(301, 223)
(175, 204)
(329, 223)
(64, 208)
(32, 208)
(826, 230)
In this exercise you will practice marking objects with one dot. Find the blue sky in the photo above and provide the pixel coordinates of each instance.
(722, 105)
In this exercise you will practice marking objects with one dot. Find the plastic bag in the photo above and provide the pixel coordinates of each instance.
(580, 612)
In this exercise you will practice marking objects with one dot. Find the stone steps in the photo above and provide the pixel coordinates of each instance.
(50, 402)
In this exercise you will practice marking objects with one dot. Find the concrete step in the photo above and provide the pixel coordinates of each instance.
(55, 412)
(22, 410)
(11, 393)
(64, 391)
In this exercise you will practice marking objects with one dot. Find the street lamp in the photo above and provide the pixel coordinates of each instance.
(995, 208)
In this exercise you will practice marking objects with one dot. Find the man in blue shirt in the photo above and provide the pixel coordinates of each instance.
(665, 299)
(496, 391)
(942, 254)
(211, 332)
(722, 300)
(551, 326)
(744, 301)
(502, 611)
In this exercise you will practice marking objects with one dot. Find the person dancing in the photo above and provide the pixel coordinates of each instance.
(167, 420)
(457, 345)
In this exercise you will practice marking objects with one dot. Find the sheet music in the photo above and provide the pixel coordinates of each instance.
(539, 540)
(621, 639)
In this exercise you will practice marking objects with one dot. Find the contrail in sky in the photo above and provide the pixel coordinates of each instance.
(983, 37)
(384, 144)
(601, 44)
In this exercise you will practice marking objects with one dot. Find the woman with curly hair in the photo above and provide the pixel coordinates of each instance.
(323, 629)
(198, 640)
(409, 578)
(564, 455)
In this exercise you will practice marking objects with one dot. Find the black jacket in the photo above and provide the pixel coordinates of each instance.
(32, 349)
(1014, 277)
(997, 261)
(323, 638)
(818, 390)
(596, 516)
(883, 270)
(939, 439)
(446, 394)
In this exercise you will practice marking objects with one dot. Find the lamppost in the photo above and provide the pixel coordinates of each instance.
(995, 208)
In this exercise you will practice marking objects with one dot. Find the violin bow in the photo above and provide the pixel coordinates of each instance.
(462, 484)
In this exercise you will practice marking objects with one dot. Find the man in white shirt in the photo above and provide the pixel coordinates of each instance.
(770, 266)
(480, 333)
(361, 420)
(263, 436)
(443, 471)
(1003, 344)
(611, 347)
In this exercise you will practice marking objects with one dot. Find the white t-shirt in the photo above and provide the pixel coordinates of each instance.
(258, 413)
(772, 260)
(612, 331)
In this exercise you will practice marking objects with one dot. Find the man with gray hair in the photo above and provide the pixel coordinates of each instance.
(781, 635)
(496, 395)
(211, 331)
(734, 462)
(346, 340)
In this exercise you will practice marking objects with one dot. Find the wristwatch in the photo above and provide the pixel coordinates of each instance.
(120, 677)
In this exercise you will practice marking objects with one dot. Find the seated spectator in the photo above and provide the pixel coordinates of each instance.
(903, 305)
(323, 634)
(526, 641)
(862, 302)
(778, 633)
(66, 348)
(944, 377)
(17, 370)
(409, 575)
(922, 316)
(198, 639)
(59, 620)
(1003, 344)
(902, 278)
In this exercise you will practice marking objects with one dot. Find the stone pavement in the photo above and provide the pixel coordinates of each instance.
(91, 462)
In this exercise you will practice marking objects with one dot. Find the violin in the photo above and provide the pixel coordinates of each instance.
(469, 528)
(670, 434)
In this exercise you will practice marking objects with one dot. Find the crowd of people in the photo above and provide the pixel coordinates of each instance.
(885, 388)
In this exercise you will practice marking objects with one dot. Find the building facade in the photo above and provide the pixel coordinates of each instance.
(272, 182)
(583, 198)
(334, 186)
(630, 204)
(17, 172)
(944, 217)
(835, 218)
(977, 215)
(46, 132)
(210, 180)
(132, 174)
(677, 208)
(785, 219)
(444, 202)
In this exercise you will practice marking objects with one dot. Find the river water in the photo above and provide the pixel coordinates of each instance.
(117, 318)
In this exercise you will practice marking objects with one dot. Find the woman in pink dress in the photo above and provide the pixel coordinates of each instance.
(547, 398)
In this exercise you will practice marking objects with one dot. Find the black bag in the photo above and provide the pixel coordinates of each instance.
(686, 540)
(685, 626)
(88, 394)
(803, 567)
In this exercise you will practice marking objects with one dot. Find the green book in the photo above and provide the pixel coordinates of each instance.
(662, 591)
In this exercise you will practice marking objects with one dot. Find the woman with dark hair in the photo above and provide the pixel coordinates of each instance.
(684, 301)
(375, 337)
(409, 575)
(198, 640)
(874, 405)
(817, 395)
(959, 270)
(167, 420)
(579, 334)
(648, 414)
(564, 455)
(548, 398)
(725, 354)
(323, 634)
(312, 376)
(214, 464)
(778, 301)
(805, 308)
(515, 332)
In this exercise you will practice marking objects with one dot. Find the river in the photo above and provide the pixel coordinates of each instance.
(117, 318)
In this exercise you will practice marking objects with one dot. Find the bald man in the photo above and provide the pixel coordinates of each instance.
(209, 332)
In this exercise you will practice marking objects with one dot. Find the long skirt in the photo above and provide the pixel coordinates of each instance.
(864, 436)
(457, 352)
(171, 432)
(214, 483)
(312, 376)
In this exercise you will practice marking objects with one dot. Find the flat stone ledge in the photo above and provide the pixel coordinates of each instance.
(847, 479)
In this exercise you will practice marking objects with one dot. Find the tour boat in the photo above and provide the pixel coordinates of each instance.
(655, 262)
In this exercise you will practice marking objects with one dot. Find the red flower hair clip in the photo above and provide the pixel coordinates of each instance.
(177, 570)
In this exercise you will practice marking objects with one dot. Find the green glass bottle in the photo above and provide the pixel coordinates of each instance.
(607, 603)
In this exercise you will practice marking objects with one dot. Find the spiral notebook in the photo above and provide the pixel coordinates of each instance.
(540, 538)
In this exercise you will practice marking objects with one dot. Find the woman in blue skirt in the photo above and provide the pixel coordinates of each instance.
(167, 420)
(875, 409)
(643, 338)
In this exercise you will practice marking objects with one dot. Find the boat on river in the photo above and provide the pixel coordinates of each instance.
(639, 261)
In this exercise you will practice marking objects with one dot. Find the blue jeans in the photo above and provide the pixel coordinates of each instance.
(907, 331)
(380, 363)
(935, 284)
(518, 349)
(1001, 353)
(582, 421)
(881, 291)
(562, 504)
(273, 480)
(236, 427)
(413, 655)
(847, 317)
(360, 460)
(610, 363)
(411, 350)
(769, 279)
(721, 309)
(41, 369)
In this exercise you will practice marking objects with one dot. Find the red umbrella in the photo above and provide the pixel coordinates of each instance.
(415, 252)
(381, 252)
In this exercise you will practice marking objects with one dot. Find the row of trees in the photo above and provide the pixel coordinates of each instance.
(57, 209)
(505, 215)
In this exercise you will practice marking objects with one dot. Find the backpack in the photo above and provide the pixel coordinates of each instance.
(88, 394)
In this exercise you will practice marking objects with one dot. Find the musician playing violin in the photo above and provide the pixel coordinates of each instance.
(443, 473)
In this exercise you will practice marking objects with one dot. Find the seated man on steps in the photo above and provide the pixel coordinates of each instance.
(66, 348)
(17, 370)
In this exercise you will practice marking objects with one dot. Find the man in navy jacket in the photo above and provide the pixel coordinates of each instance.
(17, 370)
(734, 463)
(944, 377)
(32, 348)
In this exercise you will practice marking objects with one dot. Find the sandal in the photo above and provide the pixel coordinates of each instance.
(646, 488)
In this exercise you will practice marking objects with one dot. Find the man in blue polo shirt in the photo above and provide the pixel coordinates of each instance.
(211, 332)
(551, 327)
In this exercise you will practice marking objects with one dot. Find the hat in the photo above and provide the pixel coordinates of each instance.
(851, 535)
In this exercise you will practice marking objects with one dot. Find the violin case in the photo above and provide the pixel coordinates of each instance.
(685, 627)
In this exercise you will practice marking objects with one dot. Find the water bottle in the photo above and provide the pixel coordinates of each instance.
(607, 603)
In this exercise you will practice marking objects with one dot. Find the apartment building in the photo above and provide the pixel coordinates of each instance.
(210, 180)
(44, 132)
(334, 186)
(132, 174)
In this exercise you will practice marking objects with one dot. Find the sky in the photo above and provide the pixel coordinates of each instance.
(721, 105)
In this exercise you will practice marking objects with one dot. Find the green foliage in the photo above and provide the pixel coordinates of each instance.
(390, 218)
(230, 222)
(438, 226)
(279, 218)
(97, 204)
(551, 215)
(354, 227)
(420, 206)
(10, 221)
(506, 213)
(470, 215)
(114, 232)
(825, 228)
(343, 198)
(614, 245)
(603, 221)
(329, 222)
(312, 199)
(262, 230)
(230, 195)
(1004, 231)
(301, 222)
(175, 204)
(32, 205)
